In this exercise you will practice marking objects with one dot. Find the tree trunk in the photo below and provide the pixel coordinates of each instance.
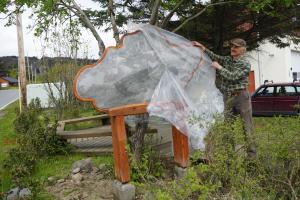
(170, 15)
(154, 14)
(113, 20)
(219, 28)
(90, 26)
(141, 125)
(137, 140)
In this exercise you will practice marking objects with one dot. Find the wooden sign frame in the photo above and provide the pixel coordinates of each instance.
(119, 138)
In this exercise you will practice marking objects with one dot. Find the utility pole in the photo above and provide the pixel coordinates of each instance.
(28, 70)
(21, 61)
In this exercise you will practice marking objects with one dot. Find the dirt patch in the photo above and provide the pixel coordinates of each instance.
(97, 185)
(93, 187)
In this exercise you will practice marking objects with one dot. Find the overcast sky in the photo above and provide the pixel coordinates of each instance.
(32, 44)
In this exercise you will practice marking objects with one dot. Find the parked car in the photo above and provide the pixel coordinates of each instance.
(276, 99)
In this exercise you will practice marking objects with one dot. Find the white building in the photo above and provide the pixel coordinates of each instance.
(42, 91)
(275, 64)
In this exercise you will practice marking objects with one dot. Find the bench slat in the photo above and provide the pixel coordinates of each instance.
(83, 119)
(91, 132)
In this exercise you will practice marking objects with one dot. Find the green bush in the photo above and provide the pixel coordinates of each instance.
(29, 118)
(149, 167)
(36, 138)
(279, 155)
(230, 174)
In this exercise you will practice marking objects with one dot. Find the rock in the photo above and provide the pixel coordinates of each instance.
(61, 181)
(95, 170)
(100, 176)
(102, 167)
(123, 191)
(24, 193)
(179, 172)
(76, 170)
(51, 179)
(13, 194)
(77, 178)
(85, 195)
(84, 165)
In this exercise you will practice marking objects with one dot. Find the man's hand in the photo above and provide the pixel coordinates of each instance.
(216, 65)
(197, 44)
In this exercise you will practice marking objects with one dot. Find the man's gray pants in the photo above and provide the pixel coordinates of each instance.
(239, 104)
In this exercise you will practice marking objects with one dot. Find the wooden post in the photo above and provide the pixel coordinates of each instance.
(180, 148)
(119, 147)
(21, 61)
(117, 115)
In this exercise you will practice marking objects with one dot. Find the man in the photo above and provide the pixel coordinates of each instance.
(233, 72)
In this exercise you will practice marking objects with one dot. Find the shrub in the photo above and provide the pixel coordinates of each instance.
(230, 174)
(35, 139)
(149, 167)
(279, 155)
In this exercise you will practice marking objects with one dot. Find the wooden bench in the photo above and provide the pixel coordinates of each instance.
(102, 131)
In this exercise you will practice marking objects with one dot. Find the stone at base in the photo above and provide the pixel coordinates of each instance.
(179, 172)
(123, 191)
(13, 194)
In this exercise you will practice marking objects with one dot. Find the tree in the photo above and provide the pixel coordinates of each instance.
(254, 22)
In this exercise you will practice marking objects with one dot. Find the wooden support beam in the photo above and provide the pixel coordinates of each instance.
(180, 148)
(133, 109)
(121, 162)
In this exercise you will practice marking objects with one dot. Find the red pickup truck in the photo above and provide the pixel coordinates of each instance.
(276, 99)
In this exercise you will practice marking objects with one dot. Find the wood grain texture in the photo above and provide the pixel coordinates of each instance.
(180, 148)
(121, 162)
(133, 109)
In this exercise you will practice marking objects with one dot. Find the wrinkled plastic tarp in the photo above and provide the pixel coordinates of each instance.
(161, 68)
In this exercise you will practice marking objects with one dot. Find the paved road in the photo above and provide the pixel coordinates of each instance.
(7, 97)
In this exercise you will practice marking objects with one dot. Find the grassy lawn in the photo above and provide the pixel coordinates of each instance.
(7, 140)
(9, 88)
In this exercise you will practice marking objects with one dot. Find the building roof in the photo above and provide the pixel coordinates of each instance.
(9, 79)
(295, 83)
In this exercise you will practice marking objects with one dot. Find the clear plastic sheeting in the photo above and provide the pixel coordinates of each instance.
(191, 111)
(163, 69)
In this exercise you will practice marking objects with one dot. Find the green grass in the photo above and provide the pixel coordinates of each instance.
(82, 125)
(264, 123)
(7, 138)
(9, 88)
(85, 110)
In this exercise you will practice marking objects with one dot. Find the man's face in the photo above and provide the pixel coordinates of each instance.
(236, 51)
